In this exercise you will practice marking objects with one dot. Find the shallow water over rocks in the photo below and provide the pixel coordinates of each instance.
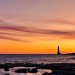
(12, 71)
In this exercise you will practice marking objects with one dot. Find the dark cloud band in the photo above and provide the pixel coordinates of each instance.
(31, 30)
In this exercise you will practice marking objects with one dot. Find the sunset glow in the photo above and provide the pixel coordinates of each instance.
(37, 26)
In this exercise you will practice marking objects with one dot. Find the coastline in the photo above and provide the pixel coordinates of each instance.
(57, 68)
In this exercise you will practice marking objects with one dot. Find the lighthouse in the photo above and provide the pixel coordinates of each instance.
(58, 52)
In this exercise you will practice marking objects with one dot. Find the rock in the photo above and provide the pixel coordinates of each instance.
(6, 69)
(33, 70)
(46, 73)
(7, 74)
(21, 71)
(63, 72)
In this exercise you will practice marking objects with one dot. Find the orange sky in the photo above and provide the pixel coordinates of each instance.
(37, 26)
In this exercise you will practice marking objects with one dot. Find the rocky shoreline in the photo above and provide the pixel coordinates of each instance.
(57, 68)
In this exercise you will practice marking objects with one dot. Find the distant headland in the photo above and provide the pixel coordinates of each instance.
(70, 54)
(59, 53)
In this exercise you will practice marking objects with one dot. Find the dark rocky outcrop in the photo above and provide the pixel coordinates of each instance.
(6, 69)
(7, 74)
(70, 54)
(33, 70)
(21, 71)
(63, 72)
(57, 68)
(46, 73)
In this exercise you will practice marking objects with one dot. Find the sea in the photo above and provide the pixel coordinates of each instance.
(34, 58)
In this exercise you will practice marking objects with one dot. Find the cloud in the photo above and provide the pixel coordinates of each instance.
(4, 33)
(35, 30)
(9, 38)
(13, 28)
(54, 21)
(59, 21)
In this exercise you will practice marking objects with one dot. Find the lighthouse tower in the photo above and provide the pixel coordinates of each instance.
(58, 52)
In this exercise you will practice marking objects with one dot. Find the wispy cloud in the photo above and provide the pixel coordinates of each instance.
(60, 21)
(35, 30)
(32, 30)
(10, 38)
(55, 21)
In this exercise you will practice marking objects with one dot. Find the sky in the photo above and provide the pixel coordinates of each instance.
(37, 26)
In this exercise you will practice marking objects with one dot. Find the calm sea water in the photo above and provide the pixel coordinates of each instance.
(30, 58)
(37, 58)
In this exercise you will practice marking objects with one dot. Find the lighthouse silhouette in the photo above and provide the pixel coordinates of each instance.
(58, 52)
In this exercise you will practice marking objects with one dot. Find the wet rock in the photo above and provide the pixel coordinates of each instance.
(33, 70)
(7, 74)
(21, 71)
(6, 69)
(46, 73)
(63, 72)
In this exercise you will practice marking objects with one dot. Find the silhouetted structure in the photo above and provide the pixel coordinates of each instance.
(58, 50)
